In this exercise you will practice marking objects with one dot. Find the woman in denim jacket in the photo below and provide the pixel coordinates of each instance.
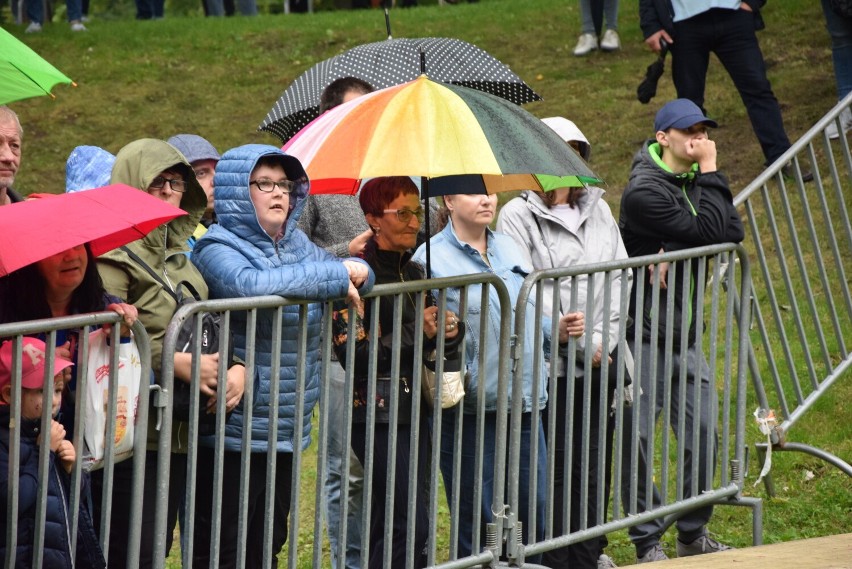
(467, 246)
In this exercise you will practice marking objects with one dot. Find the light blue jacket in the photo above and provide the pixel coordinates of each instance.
(453, 257)
(238, 258)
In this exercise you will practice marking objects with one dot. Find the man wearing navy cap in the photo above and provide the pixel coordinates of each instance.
(676, 199)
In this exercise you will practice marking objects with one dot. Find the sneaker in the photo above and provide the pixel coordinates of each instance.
(33, 28)
(586, 44)
(610, 41)
(77, 26)
(789, 172)
(702, 545)
(845, 122)
(656, 553)
(606, 562)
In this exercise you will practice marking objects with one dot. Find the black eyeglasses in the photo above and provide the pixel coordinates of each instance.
(159, 182)
(285, 186)
(404, 214)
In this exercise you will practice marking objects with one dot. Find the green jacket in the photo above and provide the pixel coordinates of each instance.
(164, 249)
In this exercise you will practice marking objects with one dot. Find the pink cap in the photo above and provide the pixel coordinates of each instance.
(32, 363)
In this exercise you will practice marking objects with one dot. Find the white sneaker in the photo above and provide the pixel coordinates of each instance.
(586, 44)
(606, 562)
(610, 41)
(33, 28)
(845, 122)
(78, 27)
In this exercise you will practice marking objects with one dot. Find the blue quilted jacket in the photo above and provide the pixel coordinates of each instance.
(238, 258)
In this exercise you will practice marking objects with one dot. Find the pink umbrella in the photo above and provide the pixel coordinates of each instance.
(105, 218)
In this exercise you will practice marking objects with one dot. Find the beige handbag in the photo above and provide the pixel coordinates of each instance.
(453, 379)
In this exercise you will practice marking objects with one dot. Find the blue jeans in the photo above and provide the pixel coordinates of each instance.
(338, 459)
(840, 30)
(468, 458)
(587, 15)
(35, 10)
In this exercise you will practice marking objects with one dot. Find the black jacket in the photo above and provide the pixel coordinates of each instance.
(57, 537)
(656, 15)
(662, 210)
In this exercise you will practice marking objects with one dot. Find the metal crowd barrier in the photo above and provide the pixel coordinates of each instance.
(799, 237)
(307, 546)
(724, 339)
(80, 325)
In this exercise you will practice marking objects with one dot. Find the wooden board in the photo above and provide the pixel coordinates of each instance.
(832, 552)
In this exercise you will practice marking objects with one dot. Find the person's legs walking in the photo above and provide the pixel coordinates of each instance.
(840, 30)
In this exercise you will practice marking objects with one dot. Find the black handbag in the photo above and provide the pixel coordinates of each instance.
(185, 342)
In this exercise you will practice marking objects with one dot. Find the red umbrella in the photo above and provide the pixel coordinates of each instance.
(105, 218)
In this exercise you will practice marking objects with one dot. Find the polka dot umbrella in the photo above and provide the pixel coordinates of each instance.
(392, 62)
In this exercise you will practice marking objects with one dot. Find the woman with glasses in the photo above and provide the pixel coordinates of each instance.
(156, 167)
(256, 249)
(393, 211)
(468, 246)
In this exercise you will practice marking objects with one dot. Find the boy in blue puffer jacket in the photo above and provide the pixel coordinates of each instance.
(57, 534)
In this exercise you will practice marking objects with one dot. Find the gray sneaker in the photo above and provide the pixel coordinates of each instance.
(702, 545)
(606, 562)
(656, 553)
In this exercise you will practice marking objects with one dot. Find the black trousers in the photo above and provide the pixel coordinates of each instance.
(230, 500)
(730, 34)
(398, 519)
(121, 498)
(583, 555)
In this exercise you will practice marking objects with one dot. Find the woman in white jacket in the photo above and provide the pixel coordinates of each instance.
(564, 227)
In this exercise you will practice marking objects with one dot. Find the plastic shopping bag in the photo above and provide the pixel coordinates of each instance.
(96, 399)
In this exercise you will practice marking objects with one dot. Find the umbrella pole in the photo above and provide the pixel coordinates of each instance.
(387, 23)
(424, 188)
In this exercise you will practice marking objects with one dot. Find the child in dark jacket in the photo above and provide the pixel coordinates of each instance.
(57, 527)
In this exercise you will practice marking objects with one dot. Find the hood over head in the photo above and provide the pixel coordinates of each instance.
(569, 132)
(88, 167)
(233, 206)
(139, 162)
(194, 147)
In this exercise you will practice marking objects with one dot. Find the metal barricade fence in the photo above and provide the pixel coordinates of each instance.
(307, 546)
(721, 334)
(79, 327)
(799, 236)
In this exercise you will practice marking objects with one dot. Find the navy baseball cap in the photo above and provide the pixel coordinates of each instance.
(680, 113)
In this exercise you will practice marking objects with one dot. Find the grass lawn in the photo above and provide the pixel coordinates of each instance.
(219, 78)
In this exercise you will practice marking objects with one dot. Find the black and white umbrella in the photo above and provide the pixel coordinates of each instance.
(393, 62)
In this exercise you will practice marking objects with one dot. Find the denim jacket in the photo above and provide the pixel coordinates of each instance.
(453, 257)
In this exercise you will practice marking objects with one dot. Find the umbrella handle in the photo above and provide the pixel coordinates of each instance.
(387, 23)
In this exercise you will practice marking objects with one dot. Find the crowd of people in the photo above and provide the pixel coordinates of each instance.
(252, 228)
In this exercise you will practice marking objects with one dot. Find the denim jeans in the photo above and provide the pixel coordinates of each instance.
(35, 10)
(468, 458)
(338, 459)
(587, 15)
(840, 30)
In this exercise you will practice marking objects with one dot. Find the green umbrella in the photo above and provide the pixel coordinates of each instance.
(23, 72)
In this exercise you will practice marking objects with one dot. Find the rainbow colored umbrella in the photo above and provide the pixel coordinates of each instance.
(433, 130)
(430, 129)
(23, 72)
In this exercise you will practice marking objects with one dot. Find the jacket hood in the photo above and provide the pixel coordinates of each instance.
(88, 167)
(233, 206)
(138, 163)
